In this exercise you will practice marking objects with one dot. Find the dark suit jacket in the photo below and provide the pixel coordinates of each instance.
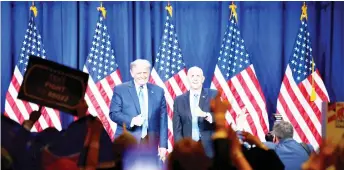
(182, 118)
(125, 106)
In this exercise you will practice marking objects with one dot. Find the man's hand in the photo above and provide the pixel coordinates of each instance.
(137, 121)
(200, 112)
(241, 119)
(162, 153)
(219, 109)
(206, 115)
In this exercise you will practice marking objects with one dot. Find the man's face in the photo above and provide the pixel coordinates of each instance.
(140, 74)
(196, 78)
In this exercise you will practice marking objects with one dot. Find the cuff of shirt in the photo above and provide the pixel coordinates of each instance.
(211, 117)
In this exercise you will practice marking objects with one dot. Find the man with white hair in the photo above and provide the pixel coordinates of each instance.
(141, 106)
(192, 116)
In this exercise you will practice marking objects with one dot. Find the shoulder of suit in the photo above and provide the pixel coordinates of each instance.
(155, 87)
(211, 91)
(181, 96)
(122, 86)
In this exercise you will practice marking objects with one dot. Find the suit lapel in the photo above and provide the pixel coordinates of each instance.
(150, 100)
(134, 96)
(187, 104)
(203, 97)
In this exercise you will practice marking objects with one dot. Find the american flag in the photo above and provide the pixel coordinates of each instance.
(235, 76)
(20, 110)
(104, 75)
(169, 70)
(294, 102)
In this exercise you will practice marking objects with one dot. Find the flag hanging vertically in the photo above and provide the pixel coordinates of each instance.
(302, 90)
(104, 74)
(235, 76)
(20, 110)
(169, 69)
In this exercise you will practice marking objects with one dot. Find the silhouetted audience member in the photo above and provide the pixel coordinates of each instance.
(120, 145)
(188, 154)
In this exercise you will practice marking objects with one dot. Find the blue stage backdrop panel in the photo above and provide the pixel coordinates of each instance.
(268, 28)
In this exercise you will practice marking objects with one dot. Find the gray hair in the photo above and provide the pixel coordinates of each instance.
(283, 130)
(140, 62)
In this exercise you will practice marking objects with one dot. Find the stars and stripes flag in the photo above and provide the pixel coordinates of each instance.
(235, 76)
(294, 102)
(20, 110)
(104, 75)
(169, 70)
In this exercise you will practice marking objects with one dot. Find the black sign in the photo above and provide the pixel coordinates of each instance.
(50, 84)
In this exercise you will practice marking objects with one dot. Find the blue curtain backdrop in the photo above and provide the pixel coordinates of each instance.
(268, 28)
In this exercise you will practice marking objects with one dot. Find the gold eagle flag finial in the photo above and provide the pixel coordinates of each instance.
(304, 11)
(33, 8)
(169, 8)
(233, 11)
(102, 9)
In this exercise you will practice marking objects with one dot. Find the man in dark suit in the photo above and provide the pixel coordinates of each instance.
(141, 106)
(192, 115)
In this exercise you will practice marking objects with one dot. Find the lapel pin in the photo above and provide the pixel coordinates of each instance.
(203, 96)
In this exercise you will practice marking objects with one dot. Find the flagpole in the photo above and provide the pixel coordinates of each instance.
(304, 15)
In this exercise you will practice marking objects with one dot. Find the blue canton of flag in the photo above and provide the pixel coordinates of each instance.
(101, 60)
(32, 45)
(233, 55)
(169, 60)
(301, 61)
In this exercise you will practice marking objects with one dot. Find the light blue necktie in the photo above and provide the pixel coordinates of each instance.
(143, 112)
(195, 128)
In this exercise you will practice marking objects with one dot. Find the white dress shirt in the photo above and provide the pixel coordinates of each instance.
(191, 99)
(145, 96)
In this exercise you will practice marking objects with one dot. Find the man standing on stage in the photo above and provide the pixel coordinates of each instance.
(141, 106)
(192, 115)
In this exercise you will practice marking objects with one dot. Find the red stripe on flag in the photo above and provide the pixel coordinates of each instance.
(224, 97)
(170, 135)
(180, 82)
(301, 109)
(253, 101)
(255, 82)
(99, 111)
(317, 88)
(311, 104)
(291, 118)
(111, 83)
(16, 85)
(170, 89)
(102, 93)
(14, 107)
(241, 106)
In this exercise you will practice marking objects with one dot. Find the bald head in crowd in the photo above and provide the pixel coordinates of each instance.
(196, 78)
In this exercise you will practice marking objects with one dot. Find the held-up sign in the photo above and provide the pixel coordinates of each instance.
(50, 84)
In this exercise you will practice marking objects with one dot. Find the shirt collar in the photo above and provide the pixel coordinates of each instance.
(193, 92)
(137, 87)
